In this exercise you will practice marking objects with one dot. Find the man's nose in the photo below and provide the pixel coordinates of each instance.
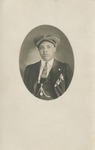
(45, 50)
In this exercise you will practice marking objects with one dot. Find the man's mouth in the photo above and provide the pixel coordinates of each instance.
(45, 55)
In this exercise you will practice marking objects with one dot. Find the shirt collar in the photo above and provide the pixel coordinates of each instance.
(49, 62)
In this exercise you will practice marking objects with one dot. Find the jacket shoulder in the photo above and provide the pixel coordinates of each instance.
(61, 64)
(32, 65)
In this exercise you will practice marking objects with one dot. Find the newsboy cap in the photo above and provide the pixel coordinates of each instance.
(50, 38)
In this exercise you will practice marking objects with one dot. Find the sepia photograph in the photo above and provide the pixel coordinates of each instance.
(47, 88)
(46, 62)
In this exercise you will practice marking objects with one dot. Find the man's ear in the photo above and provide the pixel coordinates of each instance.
(54, 49)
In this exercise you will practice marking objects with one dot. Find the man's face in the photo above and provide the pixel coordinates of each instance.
(46, 50)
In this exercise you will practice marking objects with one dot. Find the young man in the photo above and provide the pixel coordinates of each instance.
(48, 78)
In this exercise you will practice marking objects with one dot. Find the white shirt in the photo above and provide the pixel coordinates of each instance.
(49, 66)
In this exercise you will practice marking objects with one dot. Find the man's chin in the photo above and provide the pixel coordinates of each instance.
(46, 59)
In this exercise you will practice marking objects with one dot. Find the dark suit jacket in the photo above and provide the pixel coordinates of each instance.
(58, 70)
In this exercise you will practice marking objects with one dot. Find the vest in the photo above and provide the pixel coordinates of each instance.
(46, 90)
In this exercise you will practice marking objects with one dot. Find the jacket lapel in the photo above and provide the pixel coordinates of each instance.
(34, 75)
(55, 71)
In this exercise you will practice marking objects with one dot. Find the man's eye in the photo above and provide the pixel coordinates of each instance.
(40, 48)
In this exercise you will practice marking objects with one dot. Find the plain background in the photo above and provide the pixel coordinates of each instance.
(27, 123)
(29, 52)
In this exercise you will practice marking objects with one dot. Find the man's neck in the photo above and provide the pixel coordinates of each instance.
(49, 62)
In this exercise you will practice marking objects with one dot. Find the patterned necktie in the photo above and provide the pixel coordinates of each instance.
(44, 73)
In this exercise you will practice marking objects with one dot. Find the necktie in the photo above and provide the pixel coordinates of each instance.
(44, 73)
